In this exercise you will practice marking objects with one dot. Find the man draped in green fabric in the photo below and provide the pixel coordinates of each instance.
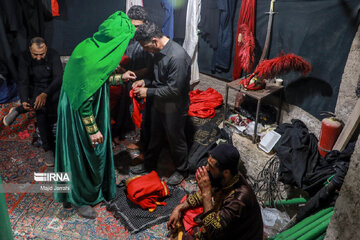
(5, 226)
(83, 138)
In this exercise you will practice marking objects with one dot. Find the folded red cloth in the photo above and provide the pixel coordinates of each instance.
(203, 103)
(147, 190)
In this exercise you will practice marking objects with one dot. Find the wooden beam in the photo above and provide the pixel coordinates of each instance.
(350, 127)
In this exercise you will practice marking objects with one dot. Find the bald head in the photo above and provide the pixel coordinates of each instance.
(38, 50)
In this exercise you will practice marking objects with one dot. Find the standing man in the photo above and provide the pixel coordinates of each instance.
(230, 208)
(40, 77)
(83, 137)
(140, 62)
(170, 94)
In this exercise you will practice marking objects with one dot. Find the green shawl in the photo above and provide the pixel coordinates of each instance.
(95, 58)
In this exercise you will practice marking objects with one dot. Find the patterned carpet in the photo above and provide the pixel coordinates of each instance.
(21, 129)
(37, 216)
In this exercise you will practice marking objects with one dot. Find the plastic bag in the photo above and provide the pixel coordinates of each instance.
(274, 220)
(251, 127)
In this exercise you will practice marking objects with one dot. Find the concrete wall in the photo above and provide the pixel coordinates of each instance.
(345, 223)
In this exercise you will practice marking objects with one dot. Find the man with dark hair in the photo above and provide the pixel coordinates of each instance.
(40, 77)
(137, 13)
(169, 92)
(230, 208)
(140, 62)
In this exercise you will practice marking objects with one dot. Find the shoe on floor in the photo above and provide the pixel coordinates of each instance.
(175, 179)
(10, 117)
(67, 205)
(86, 212)
(49, 158)
(139, 169)
(138, 160)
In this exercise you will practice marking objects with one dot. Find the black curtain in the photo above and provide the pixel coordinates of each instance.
(319, 31)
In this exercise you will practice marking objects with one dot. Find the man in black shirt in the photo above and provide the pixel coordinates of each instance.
(140, 63)
(40, 77)
(170, 94)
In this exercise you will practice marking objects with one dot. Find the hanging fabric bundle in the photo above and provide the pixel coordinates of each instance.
(245, 44)
(55, 8)
(244, 51)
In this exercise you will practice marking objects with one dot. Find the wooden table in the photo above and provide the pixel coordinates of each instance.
(259, 95)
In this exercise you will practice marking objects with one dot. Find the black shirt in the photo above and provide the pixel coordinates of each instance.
(172, 79)
(39, 76)
(138, 57)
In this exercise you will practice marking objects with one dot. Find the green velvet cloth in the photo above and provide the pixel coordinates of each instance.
(5, 226)
(85, 109)
(95, 58)
(92, 173)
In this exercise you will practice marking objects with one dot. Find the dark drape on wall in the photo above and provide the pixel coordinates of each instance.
(320, 31)
(78, 20)
(20, 20)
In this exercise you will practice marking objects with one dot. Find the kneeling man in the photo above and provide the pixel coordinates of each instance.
(230, 208)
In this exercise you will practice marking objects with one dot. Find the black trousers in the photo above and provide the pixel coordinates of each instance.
(145, 131)
(45, 118)
(172, 126)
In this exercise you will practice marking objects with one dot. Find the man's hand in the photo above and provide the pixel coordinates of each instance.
(129, 75)
(174, 218)
(40, 101)
(96, 138)
(140, 92)
(138, 84)
(26, 106)
(203, 181)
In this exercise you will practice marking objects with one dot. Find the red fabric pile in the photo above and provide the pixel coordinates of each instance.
(203, 103)
(146, 190)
